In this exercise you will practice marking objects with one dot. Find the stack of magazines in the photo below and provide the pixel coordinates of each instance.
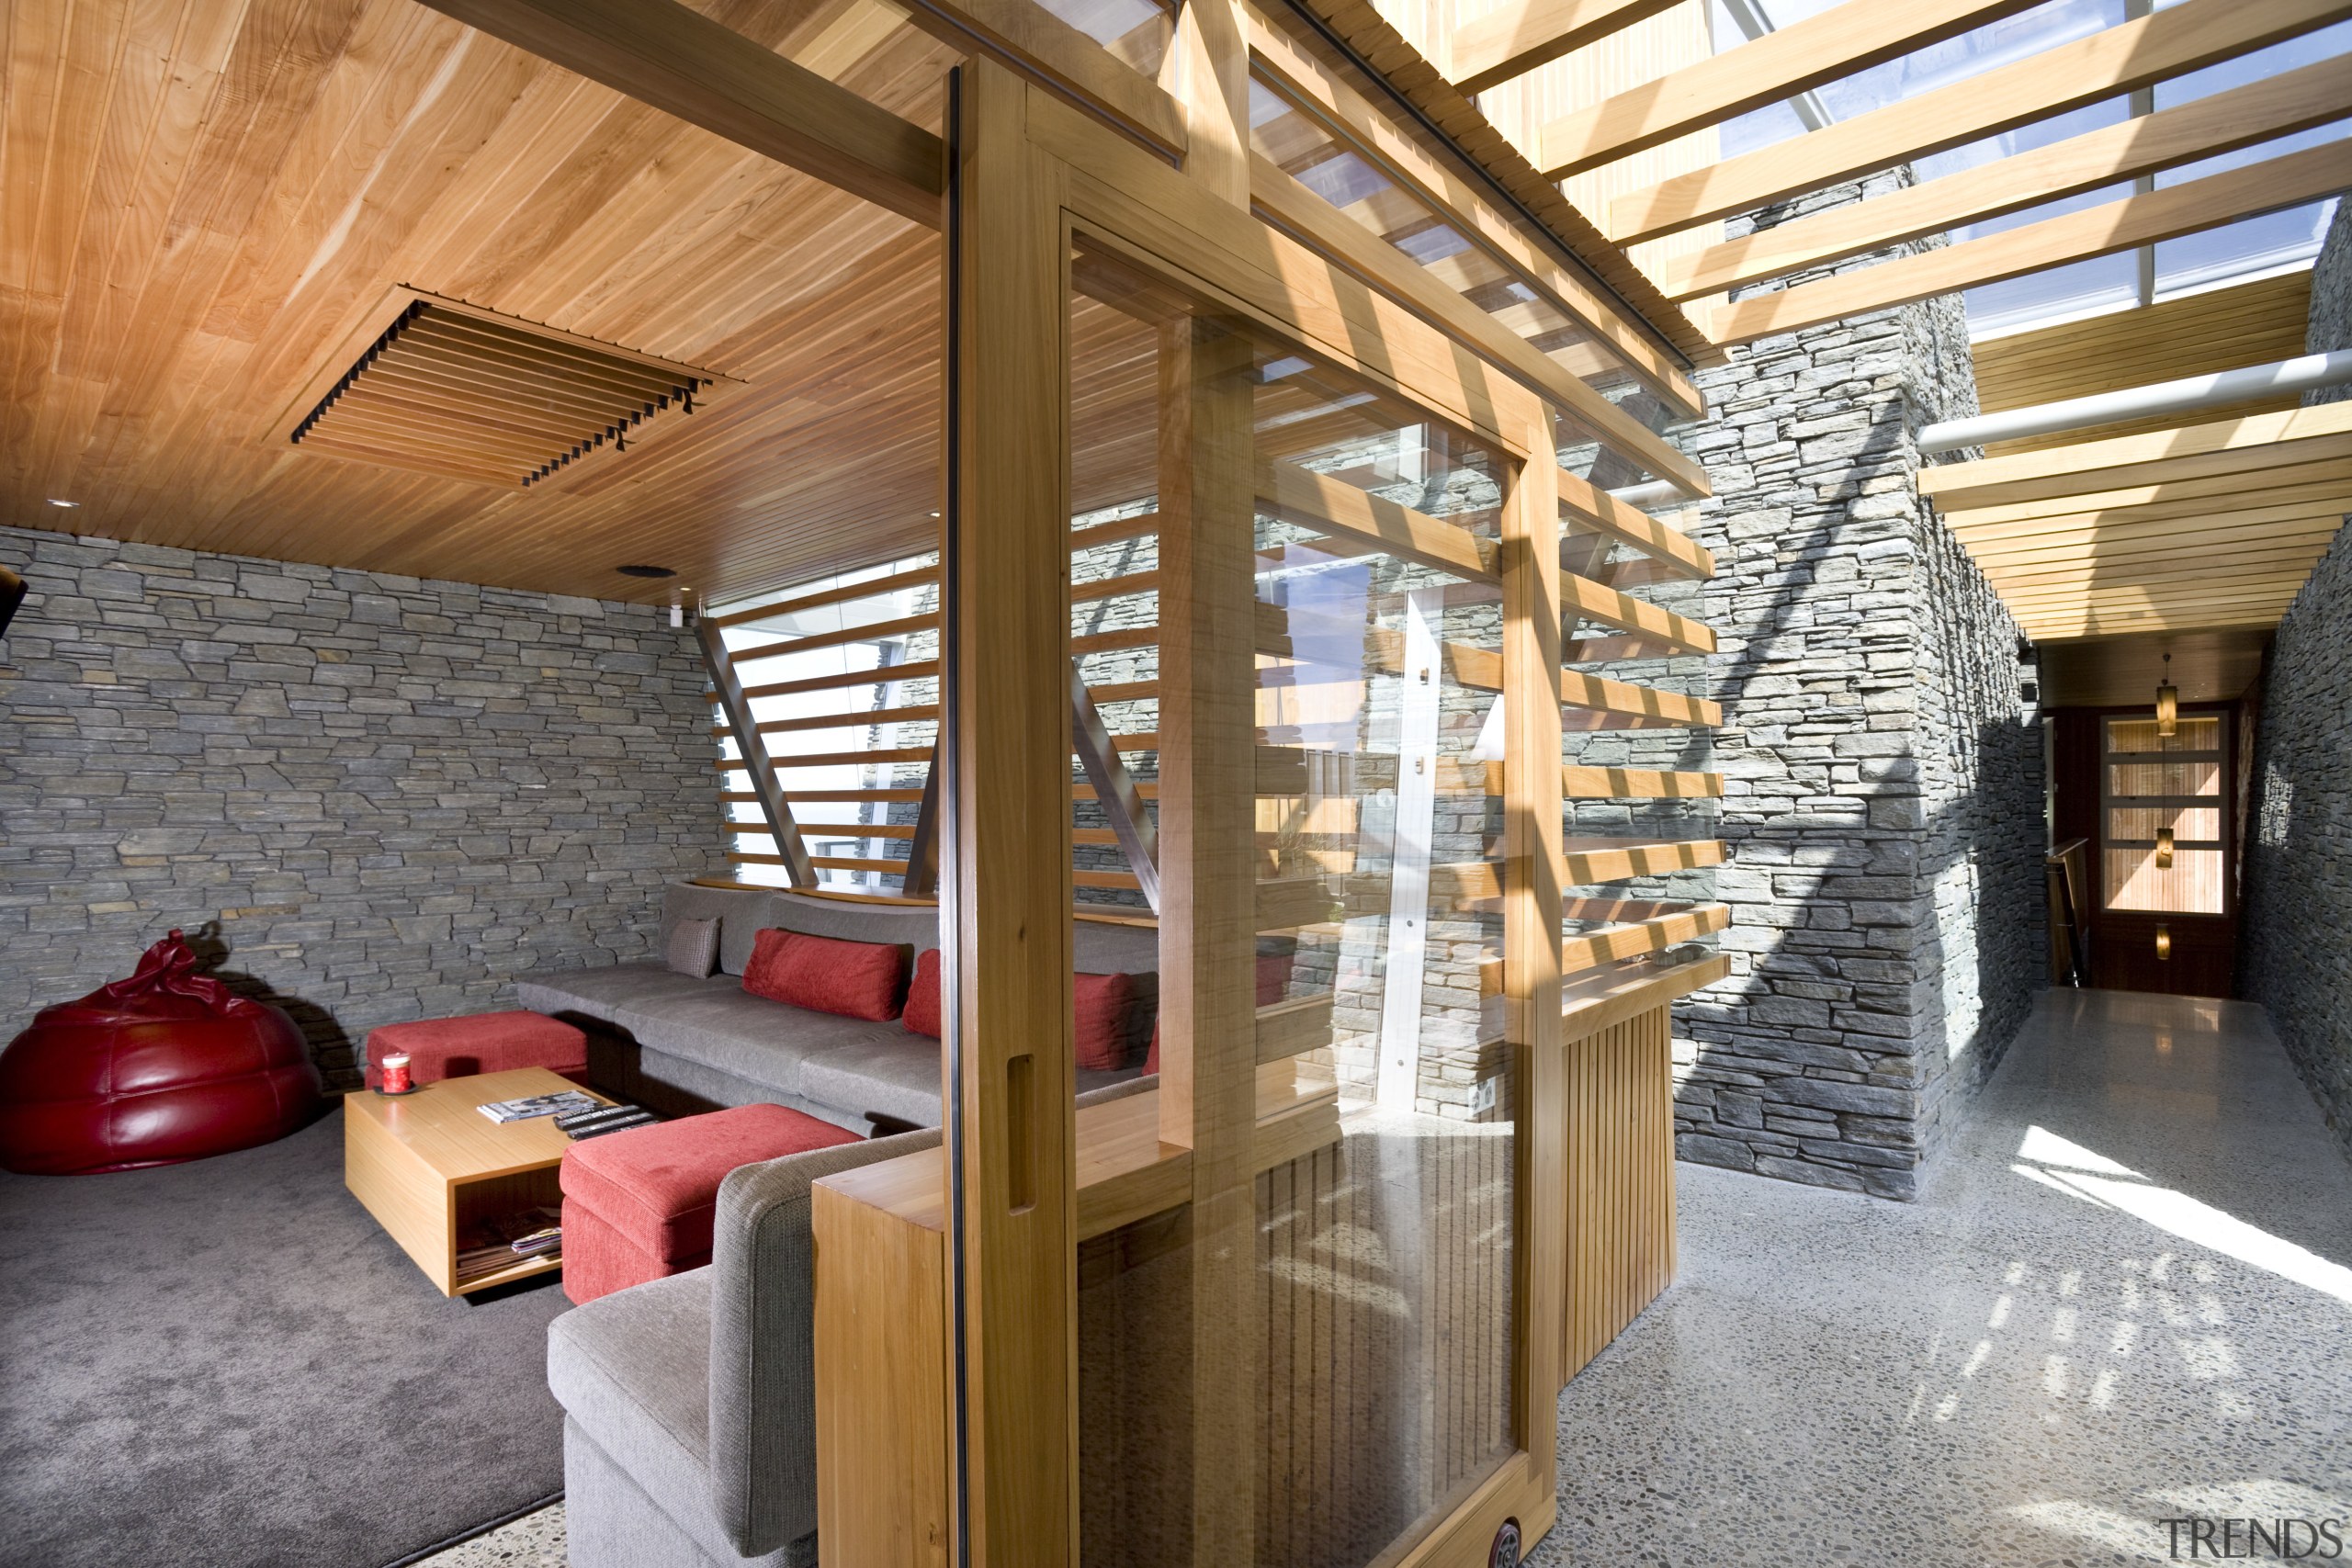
(540, 1105)
(599, 1119)
(503, 1241)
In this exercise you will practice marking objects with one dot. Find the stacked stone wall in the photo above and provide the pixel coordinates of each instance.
(376, 798)
(2298, 871)
(1882, 782)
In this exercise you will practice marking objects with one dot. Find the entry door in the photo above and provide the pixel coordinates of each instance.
(2167, 895)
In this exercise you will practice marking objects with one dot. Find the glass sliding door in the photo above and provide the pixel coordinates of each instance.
(1296, 1342)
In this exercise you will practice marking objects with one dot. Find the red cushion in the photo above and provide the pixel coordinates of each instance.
(598, 1259)
(479, 1043)
(1101, 1005)
(823, 974)
(922, 1016)
(1152, 1057)
(658, 1187)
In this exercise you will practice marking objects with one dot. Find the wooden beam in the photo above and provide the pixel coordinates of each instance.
(2026, 583)
(1595, 694)
(1212, 1035)
(1283, 201)
(2221, 531)
(1127, 205)
(2275, 105)
(2280, 439)
(2212, 497)
(1587, 600)
(1318, 92)
(1006, 859)
(674, 59)
(775, 808)
(1329, 505)
(1595, 510)
(1040, 45)
(2286, 181)
(1837, 42)
(1582, 781)
(1520, 35)
(2185, 584)
(1640, 938)
(1608, 996)
(1536, 875)
(847, 594)
(2170, 42)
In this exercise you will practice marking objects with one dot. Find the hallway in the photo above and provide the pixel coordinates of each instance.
(2125, 1297)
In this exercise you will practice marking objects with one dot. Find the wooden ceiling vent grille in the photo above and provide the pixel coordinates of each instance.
(454, 389)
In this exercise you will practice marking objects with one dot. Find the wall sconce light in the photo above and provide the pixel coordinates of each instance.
(2168, 703)
(2163, 846)
(2164, 943)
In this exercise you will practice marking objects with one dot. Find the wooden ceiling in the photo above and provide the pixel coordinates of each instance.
(201, 202)
(2193, 526)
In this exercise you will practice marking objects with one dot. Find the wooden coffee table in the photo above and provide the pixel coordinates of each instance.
(432, 1168)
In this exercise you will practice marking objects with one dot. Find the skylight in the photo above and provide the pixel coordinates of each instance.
(2233, 252)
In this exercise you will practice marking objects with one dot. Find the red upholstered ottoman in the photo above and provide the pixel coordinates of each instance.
(480, 1043)
(639, 1205)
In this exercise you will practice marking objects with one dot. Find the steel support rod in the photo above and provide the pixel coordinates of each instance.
(2186, 395)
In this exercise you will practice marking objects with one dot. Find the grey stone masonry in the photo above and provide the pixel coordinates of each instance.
(1883, 805)
(2298, 873)
(378, 798)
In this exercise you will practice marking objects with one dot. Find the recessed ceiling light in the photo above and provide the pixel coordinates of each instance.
(646, 571)
(54, 502)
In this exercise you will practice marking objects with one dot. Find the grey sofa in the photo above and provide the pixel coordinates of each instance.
(682, 1044)
(689, 1432)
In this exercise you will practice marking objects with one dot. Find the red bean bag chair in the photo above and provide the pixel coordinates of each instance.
(167, 1066)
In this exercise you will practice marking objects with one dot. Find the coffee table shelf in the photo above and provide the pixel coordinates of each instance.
(430, 1168)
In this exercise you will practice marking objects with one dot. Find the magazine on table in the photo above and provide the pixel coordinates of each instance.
(530, 1105)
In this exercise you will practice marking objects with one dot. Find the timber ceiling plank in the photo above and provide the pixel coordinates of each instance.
(256, 189)
(1520, 35)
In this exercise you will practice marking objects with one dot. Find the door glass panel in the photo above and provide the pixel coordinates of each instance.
(1371, 1365)
(2161, 829)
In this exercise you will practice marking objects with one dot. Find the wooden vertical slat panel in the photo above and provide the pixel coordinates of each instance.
(1622, 1124)
(1006, 882)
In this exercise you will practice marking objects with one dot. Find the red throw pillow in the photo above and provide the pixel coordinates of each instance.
(922, 1016)
(823, 974)
(1101, 1004)
(1152, 1057)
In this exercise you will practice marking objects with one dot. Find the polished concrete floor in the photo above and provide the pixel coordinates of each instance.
(2125, 1297)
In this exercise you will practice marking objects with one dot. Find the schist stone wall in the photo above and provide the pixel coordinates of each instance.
(1884, 786)
(2298, 873)
(378, 798)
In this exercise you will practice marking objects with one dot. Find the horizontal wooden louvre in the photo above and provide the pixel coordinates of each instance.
(454, 391)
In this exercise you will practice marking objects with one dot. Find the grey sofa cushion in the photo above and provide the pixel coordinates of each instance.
(762, 1418)
(727, 1028)
(599, 995)
(633, 1368)
(609, 1521)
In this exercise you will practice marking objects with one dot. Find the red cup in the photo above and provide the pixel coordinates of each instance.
(395, 1069)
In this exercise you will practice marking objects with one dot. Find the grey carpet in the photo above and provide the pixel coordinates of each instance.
(226, 1362)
